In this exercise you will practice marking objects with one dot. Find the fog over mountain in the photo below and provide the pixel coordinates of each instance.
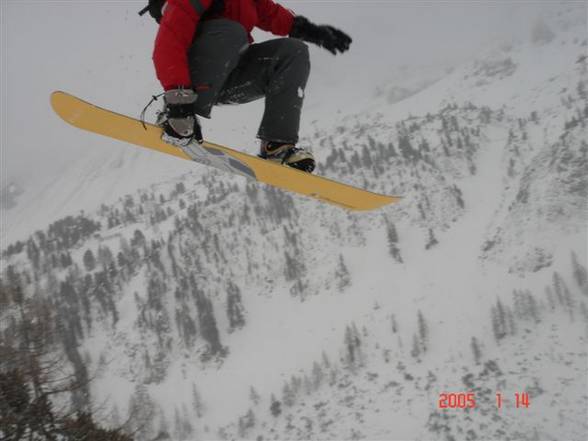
(102, 50)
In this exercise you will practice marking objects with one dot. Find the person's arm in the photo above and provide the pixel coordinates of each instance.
(280, 21)
(274, 18)
(176, 31)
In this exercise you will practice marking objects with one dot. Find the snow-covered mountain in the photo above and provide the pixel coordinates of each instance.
(206, 307)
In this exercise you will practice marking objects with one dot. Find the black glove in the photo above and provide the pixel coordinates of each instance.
(328, 37)
(179, 115)
(155, 9)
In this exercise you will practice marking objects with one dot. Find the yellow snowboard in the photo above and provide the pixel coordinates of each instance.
(104, 122)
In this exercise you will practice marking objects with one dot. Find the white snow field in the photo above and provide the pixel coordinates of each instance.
(227, 310)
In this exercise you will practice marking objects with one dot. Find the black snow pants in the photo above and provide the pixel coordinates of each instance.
(226, 69)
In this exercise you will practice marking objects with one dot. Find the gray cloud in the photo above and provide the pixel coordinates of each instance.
(102, 51)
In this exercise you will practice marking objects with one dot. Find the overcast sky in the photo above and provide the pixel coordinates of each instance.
(101, 51)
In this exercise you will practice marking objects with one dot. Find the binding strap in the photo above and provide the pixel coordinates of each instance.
(153, 99)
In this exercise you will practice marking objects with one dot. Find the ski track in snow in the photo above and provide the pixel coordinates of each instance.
(461, 284)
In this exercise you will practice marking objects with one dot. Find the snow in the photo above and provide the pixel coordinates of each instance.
(454, 285)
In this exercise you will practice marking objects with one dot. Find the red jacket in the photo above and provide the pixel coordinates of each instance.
(179, 23)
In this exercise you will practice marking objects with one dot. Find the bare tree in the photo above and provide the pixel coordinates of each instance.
(33, 376)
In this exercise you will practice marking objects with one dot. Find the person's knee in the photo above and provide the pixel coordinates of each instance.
(296, 52)
(234, 29)
(295, 48)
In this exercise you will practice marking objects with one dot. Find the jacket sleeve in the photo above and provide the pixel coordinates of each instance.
(176, 31)
(274, 18)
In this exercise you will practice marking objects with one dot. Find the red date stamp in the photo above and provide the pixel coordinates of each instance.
(457, 401)
(467, 400)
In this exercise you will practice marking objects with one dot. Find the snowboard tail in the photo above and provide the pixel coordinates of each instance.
(92, 118)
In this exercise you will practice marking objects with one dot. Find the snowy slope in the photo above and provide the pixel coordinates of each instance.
(103, 171)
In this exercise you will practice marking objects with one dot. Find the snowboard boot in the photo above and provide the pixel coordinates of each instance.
(287, 154)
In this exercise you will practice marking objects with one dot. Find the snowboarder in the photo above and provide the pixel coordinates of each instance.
(204, 55)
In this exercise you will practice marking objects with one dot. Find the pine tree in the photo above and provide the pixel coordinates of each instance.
(254, 396)
(532, 307)
(432, 240)
(89, 260)
(288, 396)
(207, 323)
(325, 360)
(138, 239)
(499, 325)
(519, 309)
(511, 328)
(416, 347)
(65, 260)
(342, 274)
(584, 312)
(393, 324)
(33, 253)
(275, 406)
(246, 423)
(392, 237)
(550, 299)
(569, 301)
(185, 324)
(317, 375)
(234, 308)
(187, 429)
(105, 257)
(197, 403)
(580, 274)
(458, 196)
(141, 412)
(423, 332)
(307, 383)
(353, 354)
(366, 158)
(406, 149)
(178, 426)
(558, 284)
(163, 433)
(476, 350)
(294, 268)
(295, 384)
(563, 294)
